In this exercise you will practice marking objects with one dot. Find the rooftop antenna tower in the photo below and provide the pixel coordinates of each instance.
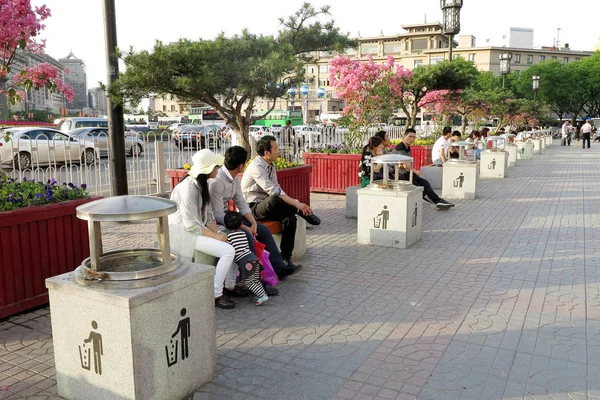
(557, 41)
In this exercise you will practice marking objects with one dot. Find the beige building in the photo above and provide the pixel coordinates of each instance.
(422, 44)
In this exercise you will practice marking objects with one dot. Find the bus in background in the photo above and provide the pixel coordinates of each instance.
(140, 123)
(205, 116)
(278, 117)
(165, 122)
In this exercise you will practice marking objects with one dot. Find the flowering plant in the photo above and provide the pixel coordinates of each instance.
(280, 163)
(20, 28)
(334, 149)
(30, 193)
(187, 166)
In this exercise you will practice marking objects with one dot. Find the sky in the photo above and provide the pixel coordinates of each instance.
(78, 25)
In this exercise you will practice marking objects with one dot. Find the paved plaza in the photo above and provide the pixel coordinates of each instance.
(499, 300)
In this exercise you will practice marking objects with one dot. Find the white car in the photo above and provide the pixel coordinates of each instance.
(30, 147)
(176, 125)
(257, 131)
(306, 130)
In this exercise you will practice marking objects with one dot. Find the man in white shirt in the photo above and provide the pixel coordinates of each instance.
(440, 148)
(586, 131)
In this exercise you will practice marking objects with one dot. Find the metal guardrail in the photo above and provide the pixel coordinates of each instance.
(44, 158)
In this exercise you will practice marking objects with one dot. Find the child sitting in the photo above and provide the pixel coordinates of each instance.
(248, 264)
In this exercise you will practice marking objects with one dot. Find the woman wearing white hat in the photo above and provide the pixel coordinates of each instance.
(193, 222)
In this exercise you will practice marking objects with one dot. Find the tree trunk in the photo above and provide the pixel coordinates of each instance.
(463, 124)
(243, 138)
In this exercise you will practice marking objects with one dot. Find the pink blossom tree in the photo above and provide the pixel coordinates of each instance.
(19, 29)
(371, 91)
(446, 103)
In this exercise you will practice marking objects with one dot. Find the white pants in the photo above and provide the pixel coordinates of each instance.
(226, 268)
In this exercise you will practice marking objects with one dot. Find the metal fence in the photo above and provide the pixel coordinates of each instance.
(87, 159)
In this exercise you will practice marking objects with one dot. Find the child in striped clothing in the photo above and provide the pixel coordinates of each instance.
(248, 264)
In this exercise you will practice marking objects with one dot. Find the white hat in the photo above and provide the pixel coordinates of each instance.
(204, 161)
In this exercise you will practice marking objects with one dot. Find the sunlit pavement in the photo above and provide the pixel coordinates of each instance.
(500, 299)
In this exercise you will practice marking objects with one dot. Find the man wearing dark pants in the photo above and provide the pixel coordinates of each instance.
(586, 131)
(429, 194)
(225, 187)
(269, 202)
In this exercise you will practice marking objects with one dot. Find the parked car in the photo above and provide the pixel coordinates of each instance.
(176, 125)
(68, 124)
(198, 136)
(257, 131)
(306, 130)
(134, 145)
(30, 147)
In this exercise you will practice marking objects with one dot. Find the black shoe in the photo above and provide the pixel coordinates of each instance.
(294, 267)
(284, 273)
(238, 291)
(224, 302)
(311, 219)
(443, 204)
(270, 290)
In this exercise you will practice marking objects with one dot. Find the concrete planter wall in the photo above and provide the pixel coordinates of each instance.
(37, 243)
(333, 173)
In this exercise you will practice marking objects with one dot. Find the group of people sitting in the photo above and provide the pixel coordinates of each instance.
(380, 144)
(203, 216)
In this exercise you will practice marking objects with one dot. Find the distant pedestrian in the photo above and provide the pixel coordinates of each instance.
(577, 133)
(566, 132)
(586, 132)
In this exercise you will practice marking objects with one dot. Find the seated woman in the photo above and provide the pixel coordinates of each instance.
(194, 221)
(373, 148)
(474, 137)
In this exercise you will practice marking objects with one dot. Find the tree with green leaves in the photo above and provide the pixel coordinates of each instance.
(231, 73)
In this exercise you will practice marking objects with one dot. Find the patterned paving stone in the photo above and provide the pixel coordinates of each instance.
(499, 299)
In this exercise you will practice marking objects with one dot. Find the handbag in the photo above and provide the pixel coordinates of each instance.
(268, 275)
(259, 248)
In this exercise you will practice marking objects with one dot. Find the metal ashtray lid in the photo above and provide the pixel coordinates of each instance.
(391, 158)
(126, 208)
(508, 135)
(462, 144)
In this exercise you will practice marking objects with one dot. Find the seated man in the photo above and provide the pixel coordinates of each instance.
(453, 152)
(440, 147)
(269, 202)
(226, 186)
(429, 194)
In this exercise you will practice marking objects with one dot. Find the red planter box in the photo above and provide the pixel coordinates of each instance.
(176, 176)
(333, 173)
(294, 181)
(37, 243)
(421, 156)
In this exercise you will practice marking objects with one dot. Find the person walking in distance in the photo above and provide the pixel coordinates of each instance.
(586, 132)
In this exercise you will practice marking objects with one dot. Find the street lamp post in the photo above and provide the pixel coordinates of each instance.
(536, 85)
(505, 58)
(292, 95)
(304, 92)
(116, 126)
(451, 10)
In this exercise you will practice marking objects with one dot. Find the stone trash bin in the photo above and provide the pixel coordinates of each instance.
(511, 148)
(538, 142)
(461, 175)
(390, 210)
(524, 150)
(494, 160)
(133, 323)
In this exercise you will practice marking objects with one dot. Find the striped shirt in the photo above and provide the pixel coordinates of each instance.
(239, 241)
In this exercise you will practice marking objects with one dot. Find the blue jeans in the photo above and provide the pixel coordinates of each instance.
(263, 235)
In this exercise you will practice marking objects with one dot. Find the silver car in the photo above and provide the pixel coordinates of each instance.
(134, 145)
(31, 147)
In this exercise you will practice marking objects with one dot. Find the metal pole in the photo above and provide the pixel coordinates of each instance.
(503, 78)
(116, 127)
(450, 48)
